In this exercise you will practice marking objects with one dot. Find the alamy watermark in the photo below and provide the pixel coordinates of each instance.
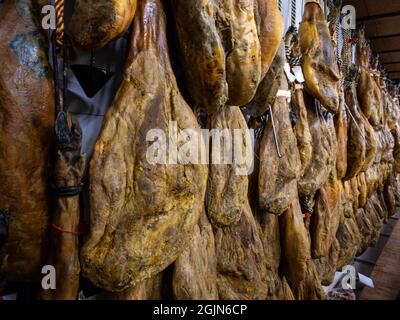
(49, 20)
(49, 278)
(349, 280)
(192, 146)
(348, 20)
(349, 17)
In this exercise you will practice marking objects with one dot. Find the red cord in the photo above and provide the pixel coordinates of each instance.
(307, 216)
(66, 231)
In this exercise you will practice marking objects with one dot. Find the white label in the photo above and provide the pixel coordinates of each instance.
(366, 281)
(288, 73)
(284, 94)
(298, 72)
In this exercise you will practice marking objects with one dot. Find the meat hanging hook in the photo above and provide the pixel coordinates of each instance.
(354, 120)
(275, 134)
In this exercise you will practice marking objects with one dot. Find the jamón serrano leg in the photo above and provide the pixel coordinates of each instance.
(236, 24)
(201, 53)
(271, 32)
(95, 23)
(26, 137)
(241, 272)
(319, 61)
(278, 175)
(142, 211)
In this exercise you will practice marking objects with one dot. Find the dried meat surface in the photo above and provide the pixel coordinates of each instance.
(95, 23)
(201, 53)
(195, 270)
(231, 160)
(26, 138)
(319, 61)
(278, 175)
(142, 213)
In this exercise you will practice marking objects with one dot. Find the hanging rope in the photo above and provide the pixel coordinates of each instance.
(339, 41)
(292, 39)
(293, 12)
(280, 5)
(59, 46)
(59, 4)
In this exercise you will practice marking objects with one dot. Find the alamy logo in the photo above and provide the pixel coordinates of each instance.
(191, 146)
(49, 280)
(349, 280)
(349, 19)
(49, 20)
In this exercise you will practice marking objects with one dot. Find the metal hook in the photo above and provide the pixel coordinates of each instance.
(275, 134)
(354, 120)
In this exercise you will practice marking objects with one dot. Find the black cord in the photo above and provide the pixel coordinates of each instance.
(55, 72)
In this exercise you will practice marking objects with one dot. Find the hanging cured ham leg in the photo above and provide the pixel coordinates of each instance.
(64, 245)
(228, 182)
(317, 172)
(319, 60)
(95, 23)
(301, 127)
(295, 243)
(26, 137)
(356, 145)
(220, 51)
(326, 218)
(280, 163)
(271, 32)
(326, 267)
(142, 208)
(272, 56)
(268, 88)
(269, 225)
(236, 25)
(201, 53)
(349, 239)
(241, 272)
(368, 91)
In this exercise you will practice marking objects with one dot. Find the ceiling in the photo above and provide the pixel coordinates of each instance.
(382, 27)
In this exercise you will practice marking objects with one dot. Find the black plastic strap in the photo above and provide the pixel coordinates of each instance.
(68, 192)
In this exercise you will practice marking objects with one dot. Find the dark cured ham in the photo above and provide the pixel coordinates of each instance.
(26, 137)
